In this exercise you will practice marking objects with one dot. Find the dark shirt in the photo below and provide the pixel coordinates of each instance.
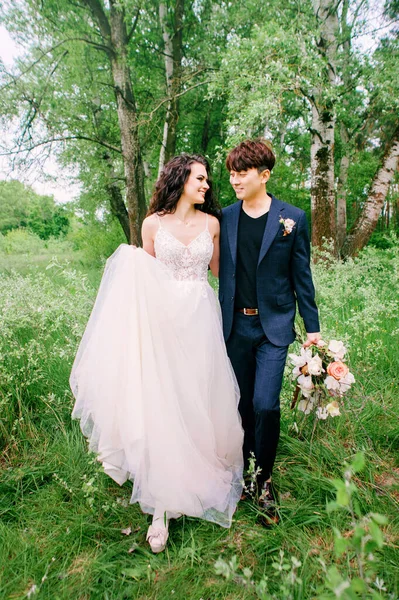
(249, 242)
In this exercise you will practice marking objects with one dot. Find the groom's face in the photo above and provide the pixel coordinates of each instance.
(249, 184)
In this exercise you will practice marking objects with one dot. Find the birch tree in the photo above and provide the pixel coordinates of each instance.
(323, 126)
(366, 222)
(347, 97)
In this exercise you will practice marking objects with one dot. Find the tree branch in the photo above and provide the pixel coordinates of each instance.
(165, 100)
(101, 18)
(35, 105)
(46, 52)
(63, 139)
(133, 28)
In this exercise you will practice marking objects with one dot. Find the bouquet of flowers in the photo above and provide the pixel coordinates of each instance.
(322, 378)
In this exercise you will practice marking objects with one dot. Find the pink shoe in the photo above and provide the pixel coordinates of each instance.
(157, 538)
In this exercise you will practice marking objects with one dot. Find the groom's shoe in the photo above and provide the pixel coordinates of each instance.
(267, 502)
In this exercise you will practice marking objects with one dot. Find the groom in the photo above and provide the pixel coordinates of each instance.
(264, 273)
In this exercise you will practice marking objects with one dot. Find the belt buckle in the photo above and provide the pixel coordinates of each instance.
(252, 311)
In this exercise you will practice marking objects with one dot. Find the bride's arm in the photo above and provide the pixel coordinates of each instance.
(148, 231)
(214, 229)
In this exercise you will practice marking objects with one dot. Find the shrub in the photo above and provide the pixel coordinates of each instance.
(21, 241)
(97, 241)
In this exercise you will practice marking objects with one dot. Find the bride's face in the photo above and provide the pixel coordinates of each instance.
(196, 185)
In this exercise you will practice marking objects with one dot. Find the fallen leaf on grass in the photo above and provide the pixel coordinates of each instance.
(132, 548)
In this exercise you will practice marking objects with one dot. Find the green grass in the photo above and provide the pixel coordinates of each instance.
(61, 517)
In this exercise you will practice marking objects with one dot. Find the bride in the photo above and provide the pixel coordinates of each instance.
(155, 392)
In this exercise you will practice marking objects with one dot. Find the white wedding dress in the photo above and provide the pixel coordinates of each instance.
(155, 392)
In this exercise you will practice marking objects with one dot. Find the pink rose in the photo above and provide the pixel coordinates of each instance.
(337, 369)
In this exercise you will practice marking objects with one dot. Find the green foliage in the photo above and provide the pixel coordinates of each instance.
(249, 69)
(61, 517)
(97, 240)
(358, 547)
(383, 241)
(20, 207)
(21, 241)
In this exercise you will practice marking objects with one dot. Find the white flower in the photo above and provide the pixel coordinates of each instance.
(321, 413)
(296, 372)
(337, 348)
(331, 383)
(379, 584)
(321, 343)
(300, 361)
(346, 382)
(306, 384)
(333, 409)
(306, 405)
(315, 365)
(288, 224)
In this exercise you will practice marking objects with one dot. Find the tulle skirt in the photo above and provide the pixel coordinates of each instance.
(155, 392)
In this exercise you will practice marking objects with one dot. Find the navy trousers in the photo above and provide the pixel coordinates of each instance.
(259, 368)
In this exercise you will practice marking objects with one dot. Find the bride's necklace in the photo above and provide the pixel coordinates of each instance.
(185, 222)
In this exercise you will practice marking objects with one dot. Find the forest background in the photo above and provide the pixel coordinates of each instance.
(112, 90)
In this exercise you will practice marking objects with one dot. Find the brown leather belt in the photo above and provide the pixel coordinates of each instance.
(248, 311)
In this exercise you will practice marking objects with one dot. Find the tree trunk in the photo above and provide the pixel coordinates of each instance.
(346, 33)
(173, 50)
(367, 221)
(115, 36)
(341, 190)
(323, 128)
(206, 131)
(322, 174)
(118, 207)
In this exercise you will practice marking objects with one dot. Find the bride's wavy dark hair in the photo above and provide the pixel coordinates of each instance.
(170, 186)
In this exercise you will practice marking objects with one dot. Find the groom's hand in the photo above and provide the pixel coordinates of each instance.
(312, 339)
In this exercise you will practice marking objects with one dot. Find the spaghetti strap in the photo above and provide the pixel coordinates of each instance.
(159, 221)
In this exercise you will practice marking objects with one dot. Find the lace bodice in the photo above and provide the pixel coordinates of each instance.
(188, 263)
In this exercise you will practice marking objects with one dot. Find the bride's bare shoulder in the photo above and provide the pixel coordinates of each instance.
(213, 224)
(151, 222)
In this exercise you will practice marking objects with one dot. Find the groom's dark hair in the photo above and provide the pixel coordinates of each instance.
(251, 154)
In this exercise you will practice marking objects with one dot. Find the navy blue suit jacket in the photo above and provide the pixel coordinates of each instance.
(283, 274)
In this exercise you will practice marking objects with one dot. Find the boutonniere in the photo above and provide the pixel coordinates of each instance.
(288, 225)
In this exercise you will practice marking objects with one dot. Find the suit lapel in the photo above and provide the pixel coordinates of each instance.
(232, 229)
(272, 226)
